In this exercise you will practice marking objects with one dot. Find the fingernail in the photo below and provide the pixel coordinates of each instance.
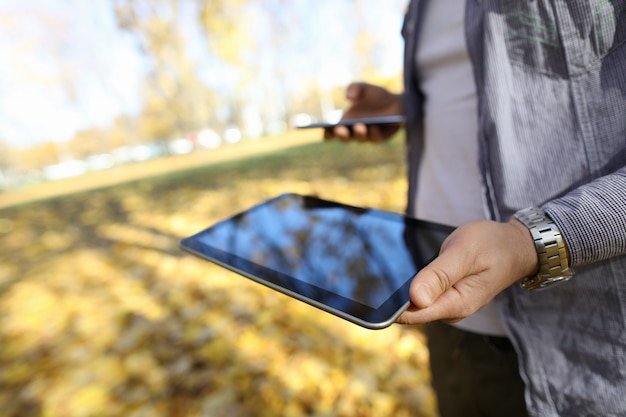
(424, 296)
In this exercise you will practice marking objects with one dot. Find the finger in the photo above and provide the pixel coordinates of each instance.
(374, 134)
(342, 133)
(360, 132)
(387, 131)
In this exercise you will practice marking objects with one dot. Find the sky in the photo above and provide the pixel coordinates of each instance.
(46, 43)
(67, 67)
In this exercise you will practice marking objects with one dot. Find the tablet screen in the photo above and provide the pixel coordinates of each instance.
(353, 262)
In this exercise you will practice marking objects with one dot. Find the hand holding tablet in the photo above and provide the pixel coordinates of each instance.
(353, 262)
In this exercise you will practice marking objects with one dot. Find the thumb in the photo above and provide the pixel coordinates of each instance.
(436, 278)
(354, 91)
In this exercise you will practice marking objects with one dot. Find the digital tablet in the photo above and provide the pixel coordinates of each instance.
(380, 120)
(356, 263)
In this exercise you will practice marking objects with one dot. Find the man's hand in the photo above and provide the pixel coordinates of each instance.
(367, 100)
(476, 262)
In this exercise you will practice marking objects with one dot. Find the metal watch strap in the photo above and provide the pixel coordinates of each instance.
(553, 263)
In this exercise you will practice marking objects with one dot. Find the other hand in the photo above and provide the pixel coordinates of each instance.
(367, 100)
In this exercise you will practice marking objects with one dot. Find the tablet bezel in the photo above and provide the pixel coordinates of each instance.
(348, 309)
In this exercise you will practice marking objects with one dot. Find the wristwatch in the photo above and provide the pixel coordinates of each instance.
(553, 263)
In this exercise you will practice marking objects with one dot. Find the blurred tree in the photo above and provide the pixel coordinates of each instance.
(245, 57)
(88, 142)
(124, 131)
(251, 36)
(6, 158)
(368, 48)
(225, 24)
(176, 102)
(247, 63)
(38, 156)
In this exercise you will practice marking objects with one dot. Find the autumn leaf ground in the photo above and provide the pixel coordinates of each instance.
(101, 314)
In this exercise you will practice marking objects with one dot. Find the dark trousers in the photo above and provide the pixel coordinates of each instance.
(474, 375)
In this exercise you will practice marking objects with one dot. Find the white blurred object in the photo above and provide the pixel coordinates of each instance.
(180, 146)
(209, 138)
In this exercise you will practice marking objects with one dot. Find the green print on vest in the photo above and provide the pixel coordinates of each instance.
(560, 38)
(532, 24)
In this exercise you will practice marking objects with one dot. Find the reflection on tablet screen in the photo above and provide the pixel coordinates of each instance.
(349, 253)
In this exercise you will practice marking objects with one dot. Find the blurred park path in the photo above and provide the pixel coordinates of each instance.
(162, 166)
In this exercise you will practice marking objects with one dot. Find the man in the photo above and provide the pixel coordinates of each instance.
(516, 132)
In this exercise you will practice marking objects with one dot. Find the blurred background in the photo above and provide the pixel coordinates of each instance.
(126, 125)
(84, 86)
